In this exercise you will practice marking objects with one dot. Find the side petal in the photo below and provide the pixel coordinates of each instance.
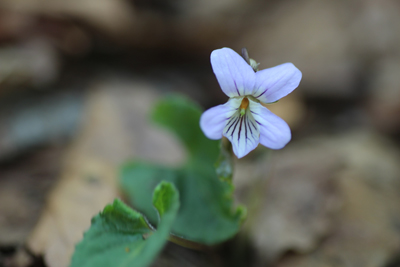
(213, 120)
(274, 132)
(234, 75)
(274, 83)
(243, 132)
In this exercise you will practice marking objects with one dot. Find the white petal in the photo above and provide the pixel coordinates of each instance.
(234, 75)
(274, 83)
(274, 132)
(243, 132)
(213, 120)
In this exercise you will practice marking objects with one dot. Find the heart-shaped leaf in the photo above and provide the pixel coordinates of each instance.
(121, 237)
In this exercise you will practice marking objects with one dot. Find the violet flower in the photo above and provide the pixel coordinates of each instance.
(243, 120)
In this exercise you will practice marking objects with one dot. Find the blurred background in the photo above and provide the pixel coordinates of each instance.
(78, 79)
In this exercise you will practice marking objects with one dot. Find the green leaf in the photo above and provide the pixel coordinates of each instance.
(166, 200)
(139, 180)
(182, 117)
(120, 236)
(206, 214)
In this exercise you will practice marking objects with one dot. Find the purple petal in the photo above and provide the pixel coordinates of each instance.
(213, 120)
(234, 75)
(274, 83)
(243, 132)
(274, 132)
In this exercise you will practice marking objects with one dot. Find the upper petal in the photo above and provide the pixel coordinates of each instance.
(243, 132)
(213, 120)
(274, 83)
(234, 75)
(274, 132)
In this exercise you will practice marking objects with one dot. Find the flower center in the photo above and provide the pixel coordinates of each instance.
(243, 106)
